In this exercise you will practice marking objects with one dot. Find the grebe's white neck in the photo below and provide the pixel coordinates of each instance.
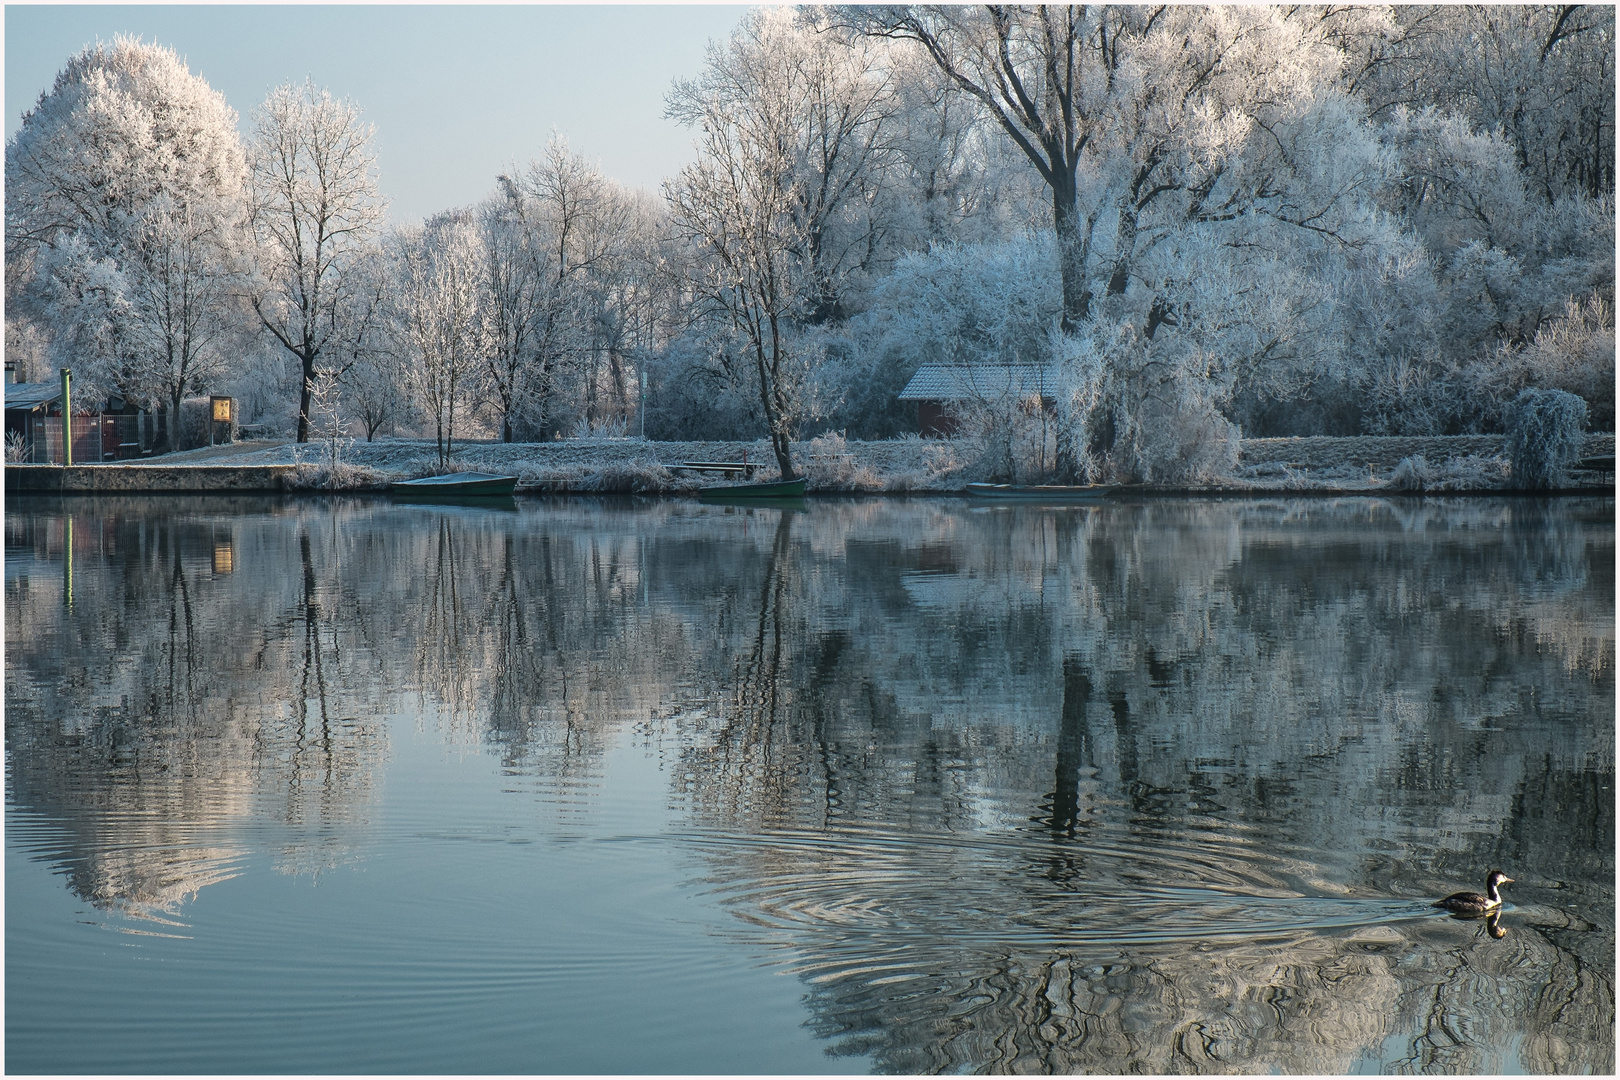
(1492, 897)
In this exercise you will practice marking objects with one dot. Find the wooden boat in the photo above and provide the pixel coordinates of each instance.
(776, 489)
(1041, 492)
(458, 485)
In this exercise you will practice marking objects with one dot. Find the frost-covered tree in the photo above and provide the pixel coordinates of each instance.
(1507, 259)
(792, 127)
(187, 296)
(1540, 75)
(566, 261)
(435, 316)
(314, 208)
(1042, 74)
(372, 387)
(635, 302)
(522, 311)
(953, 178)
(587, 219)
(1208, 174)
(969, 304)
(1487, 265)
(124, 191)
(364, 368)
(1121, 110)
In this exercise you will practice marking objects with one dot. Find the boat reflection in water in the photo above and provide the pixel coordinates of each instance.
(1122, 787)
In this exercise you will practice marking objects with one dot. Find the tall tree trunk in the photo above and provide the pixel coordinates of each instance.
(771, 397)
(178, 437)
(782, 448)
(1124, 245)
(620, 391)
(308, 363)
(160, 438)
(450, 426)
(1074, 252)
(1066, 462)
(593, 412)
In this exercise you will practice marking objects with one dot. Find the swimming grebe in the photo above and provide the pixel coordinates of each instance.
(1471, 903)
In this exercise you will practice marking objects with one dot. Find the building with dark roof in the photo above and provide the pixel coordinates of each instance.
(27, 406)
(941, 389)
(34, 427)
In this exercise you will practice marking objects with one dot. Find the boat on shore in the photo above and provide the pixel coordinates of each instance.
(775, 489)
(1042, 492)
(457, 485)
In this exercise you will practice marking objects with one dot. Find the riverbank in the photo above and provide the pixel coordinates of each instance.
(1324, 465)
(123, 478)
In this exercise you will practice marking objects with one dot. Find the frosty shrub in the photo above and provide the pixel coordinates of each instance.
(1576, 353)
(1469, 473)
(629, 476)
(941, 461)
(1472, 473)
(1014, 437)
(326, 422)
(1177, 438)
(15, 446)
(829, 465)
(691, 397)
(1545, 432)
(196, 414)
(322, 475)
(605, 427)
(1411, 474)
(1573, 352)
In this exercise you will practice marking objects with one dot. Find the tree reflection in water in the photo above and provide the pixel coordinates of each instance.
(167, 713)
(1161, 787)
(1297, 728)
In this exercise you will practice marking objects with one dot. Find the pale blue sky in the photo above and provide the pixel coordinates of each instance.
(456, 92)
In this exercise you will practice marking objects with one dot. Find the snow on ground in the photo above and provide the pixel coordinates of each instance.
(603, 464)
(1459, 463)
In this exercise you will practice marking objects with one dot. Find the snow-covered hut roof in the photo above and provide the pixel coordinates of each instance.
(31, 395)
(962, 382)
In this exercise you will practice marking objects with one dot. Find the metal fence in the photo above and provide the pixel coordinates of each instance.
(97, 437)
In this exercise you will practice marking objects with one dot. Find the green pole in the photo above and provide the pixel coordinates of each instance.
(67, 416)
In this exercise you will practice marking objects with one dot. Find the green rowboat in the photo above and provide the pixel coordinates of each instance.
(1041, 492)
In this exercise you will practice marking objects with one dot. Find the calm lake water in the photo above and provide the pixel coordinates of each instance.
(903, 785)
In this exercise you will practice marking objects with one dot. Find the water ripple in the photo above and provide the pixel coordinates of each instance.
(843, 885)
